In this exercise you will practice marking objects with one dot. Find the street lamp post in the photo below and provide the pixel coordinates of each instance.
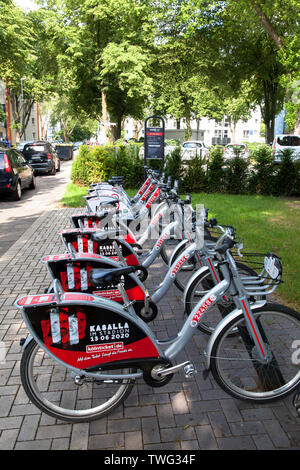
(23, 110)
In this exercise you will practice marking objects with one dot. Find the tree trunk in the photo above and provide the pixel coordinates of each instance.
(188, 120)
(269, 131)
(105, 116)
(296, 130)
(66, 136)
(266, 24)
(232, 128)
(118, 127)
(17, 113)
(137, 128)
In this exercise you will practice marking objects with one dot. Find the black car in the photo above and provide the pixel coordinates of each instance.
(15, 173)
(41, 157)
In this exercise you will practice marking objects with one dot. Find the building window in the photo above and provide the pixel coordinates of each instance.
(245, 134)
(33, 135)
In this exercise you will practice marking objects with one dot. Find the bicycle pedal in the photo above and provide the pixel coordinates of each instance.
(189, 370)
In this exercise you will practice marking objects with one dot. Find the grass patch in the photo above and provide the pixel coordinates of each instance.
(265, 224)
(73, 196)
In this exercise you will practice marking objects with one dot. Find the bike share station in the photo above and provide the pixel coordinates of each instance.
(154, 147)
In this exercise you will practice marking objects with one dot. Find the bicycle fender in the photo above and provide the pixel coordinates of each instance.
(191, 280)
(178, 247)
(223, 323)
(26, 342)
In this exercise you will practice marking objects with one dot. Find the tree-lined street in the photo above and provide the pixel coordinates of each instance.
(85, 362)
(90, 62)
(17, 216)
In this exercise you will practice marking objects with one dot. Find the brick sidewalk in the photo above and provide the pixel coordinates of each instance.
(184, 415)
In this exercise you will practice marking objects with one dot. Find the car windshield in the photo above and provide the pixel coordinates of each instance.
(289, 141)
(30, 149)
(191, 145)
(235, 147)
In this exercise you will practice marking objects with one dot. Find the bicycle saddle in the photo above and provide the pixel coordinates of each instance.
(103, 235)
(100, 277)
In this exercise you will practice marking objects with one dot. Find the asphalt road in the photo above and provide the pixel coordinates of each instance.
(17, 216)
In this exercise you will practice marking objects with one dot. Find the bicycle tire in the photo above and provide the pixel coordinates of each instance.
(222, 307)
(168, 248)
(236, 367)
(42, 389)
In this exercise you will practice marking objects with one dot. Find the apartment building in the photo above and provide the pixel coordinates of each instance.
(209, 131)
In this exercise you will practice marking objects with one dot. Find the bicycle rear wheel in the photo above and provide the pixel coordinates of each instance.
(53, 390)
(236, 364)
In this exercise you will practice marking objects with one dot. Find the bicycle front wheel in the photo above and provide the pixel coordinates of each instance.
(236, 364)
(53, 390)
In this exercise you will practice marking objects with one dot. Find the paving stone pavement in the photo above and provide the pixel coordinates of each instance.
(186, 414)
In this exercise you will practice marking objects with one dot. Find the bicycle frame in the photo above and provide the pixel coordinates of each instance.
(174, 345)
(151, 193)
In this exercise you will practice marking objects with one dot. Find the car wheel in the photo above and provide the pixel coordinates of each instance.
(32, 184)
(17, 193)
(53, 171)
(58, 168)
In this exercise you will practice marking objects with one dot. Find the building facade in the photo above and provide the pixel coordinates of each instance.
(209, 131)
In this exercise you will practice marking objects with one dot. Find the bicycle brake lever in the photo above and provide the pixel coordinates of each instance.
(239, 248)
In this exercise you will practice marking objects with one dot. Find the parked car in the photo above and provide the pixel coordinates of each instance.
(42, 157)
(191, 148)
(168, 150)
(15, 173)
(236, 150)
(284, 141)
(76, 145)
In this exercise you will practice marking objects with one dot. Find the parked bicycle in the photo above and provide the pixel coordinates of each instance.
(100, 348)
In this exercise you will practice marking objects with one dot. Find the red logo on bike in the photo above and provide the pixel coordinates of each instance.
(178, 265)
(202, 309)
(162, 239)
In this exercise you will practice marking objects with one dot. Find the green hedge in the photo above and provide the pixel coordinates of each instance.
(211, 174)
(103, 162)
(259, 175)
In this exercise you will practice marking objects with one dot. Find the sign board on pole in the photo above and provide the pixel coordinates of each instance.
(154, 143)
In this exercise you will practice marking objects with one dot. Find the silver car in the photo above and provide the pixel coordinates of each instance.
(236, 150)
(285, 141)
(191, 148)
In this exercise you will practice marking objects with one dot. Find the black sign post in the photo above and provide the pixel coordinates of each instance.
(154, 141)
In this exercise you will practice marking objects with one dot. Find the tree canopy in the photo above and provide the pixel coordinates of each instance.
(110, 59)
